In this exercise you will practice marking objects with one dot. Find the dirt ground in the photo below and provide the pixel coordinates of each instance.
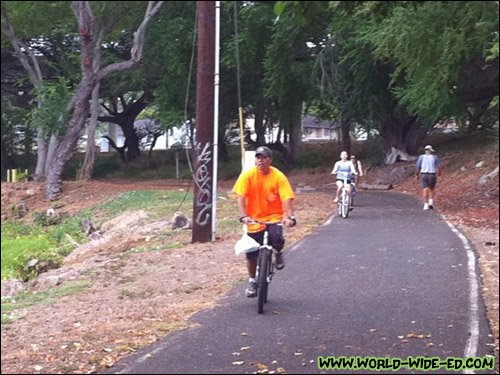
(136, 300)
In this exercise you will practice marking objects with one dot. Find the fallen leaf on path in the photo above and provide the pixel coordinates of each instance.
(238, 363)
(38, 368)
(245, 348)
(413, 335)
(281, 370)
(374, 330)
(261, 366)
(430, 345)
(107, 361)
(243, 333)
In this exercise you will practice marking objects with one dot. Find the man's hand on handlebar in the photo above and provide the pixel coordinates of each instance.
(290, 222)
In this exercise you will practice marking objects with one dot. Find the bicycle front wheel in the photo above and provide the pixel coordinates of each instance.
(262, 280)
(345, 205)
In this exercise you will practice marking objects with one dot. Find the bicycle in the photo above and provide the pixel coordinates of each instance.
(266, 266)
(345, 200)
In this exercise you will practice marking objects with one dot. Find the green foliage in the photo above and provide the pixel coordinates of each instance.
(53, 115)
(427, 75)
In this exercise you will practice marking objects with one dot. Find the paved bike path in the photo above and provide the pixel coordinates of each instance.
(353, 288)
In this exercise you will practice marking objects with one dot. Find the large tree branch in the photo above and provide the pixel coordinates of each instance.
(138, 46)
(33, 69)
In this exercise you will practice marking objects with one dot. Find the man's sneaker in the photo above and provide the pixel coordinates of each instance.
(251, 291)
(426, 206)
(280, 262)
(431, 203)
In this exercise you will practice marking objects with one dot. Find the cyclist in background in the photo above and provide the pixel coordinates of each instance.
(357, 167)
(265, 195)
(343, 169)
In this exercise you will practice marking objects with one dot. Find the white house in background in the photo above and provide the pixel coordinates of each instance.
(316, 130)
(313, 130)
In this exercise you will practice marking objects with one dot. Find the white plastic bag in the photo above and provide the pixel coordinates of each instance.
(246, 244)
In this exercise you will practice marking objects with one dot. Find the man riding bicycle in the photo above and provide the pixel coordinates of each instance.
(264, 195)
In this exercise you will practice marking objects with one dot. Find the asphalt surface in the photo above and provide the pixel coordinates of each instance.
(362, 286)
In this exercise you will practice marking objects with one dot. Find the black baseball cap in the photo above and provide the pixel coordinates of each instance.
(264, 151)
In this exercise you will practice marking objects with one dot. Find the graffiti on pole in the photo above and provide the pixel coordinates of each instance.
(203, 179)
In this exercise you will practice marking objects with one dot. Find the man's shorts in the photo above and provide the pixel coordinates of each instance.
(428, 180)
(275, 239)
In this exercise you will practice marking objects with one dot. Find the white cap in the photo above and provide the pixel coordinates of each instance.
(429, 147)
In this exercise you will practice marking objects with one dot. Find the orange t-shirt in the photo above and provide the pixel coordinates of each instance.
(265, 195)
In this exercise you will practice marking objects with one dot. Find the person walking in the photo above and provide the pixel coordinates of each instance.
(428, 170)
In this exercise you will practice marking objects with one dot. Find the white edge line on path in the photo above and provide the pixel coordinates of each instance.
(473, 340)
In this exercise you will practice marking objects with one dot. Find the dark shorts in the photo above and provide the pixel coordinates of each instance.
(349, 180)
(428, 180)
(276, 239)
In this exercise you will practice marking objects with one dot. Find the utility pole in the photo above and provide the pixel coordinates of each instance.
(203, 171)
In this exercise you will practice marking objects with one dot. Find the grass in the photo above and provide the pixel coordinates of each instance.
(26, 300)
(22, 242)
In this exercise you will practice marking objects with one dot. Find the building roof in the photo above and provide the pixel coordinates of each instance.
(309, 121)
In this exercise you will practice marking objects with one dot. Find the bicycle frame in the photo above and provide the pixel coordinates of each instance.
(265, 268)
(345, 200)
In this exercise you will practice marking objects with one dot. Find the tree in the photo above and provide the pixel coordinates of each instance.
(448, 75)
(296, 40)
(79, 105)
(25, 51)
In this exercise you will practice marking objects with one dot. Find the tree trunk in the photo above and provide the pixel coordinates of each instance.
(53, 187)
(92, 152)
(478, 110)
(260, 129)
(53, 143)
(404, 134)
(41, 156)
(131, 138)
(345, 130)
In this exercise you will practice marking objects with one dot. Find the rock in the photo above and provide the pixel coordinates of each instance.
(39, 267)
(20, 210)
(180, 221)
(51, 212)
(395, 155)
(55, 278)
(305, 189)
(463, 169)
(490, 176)
(366, 186)
(88, 227)
(480, 164)
(12, 287)
(124, 222)
(30, 192)
(95, 236)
